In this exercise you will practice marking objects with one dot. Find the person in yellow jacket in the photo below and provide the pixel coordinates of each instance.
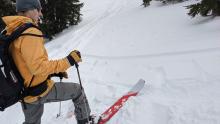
(31, 59)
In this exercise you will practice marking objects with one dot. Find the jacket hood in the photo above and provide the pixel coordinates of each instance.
(12, 22)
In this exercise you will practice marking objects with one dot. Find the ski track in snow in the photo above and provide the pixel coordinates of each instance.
(166, 54)
(170, 101)
(81, 36)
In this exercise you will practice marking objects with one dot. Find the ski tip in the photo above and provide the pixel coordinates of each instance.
(138, 86)
(142, 80)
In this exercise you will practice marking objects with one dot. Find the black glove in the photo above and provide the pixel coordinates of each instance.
(60, 74)
(74, 57)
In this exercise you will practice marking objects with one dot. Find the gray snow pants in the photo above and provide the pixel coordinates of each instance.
(59, 92)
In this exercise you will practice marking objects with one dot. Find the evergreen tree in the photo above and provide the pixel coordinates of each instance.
(146, 3)
(171, 1)
(59, 14)
(7, 7)
(205, 8)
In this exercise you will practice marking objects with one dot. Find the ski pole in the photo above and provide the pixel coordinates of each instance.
(58, 115)
(77, 68)
(80, 82)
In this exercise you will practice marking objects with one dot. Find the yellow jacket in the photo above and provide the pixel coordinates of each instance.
(30, 56)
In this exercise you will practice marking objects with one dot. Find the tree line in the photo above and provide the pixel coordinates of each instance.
(203, 8)
(58, 14)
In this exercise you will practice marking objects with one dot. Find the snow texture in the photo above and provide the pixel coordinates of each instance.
(121, 42)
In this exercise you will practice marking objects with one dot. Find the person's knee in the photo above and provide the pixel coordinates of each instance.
(79, 93)
(77, 87)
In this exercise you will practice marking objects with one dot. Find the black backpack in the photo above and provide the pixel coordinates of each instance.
(12, 87)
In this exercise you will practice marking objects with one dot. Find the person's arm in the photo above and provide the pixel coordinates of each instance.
(36, 58)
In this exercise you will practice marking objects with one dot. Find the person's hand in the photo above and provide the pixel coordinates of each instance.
(74, 57)
(60, 74)
(63, 74)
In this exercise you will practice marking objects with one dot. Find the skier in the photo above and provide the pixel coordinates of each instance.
(31, 59)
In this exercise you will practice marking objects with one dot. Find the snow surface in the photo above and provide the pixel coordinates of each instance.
(121, 42)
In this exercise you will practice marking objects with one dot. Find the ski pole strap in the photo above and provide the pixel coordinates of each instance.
(23, 104)
(61, 79)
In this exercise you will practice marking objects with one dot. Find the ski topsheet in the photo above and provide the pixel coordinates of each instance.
(111, 111)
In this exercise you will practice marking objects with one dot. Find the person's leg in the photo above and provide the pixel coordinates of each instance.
(66, 91)
(33, 113)
(59, 92)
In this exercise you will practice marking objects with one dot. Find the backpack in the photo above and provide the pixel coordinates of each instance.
(12, 87)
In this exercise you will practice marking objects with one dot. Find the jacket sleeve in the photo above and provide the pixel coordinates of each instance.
(36, 58)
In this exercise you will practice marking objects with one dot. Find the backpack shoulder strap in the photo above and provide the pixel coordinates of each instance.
(19, 32)
(30, 34)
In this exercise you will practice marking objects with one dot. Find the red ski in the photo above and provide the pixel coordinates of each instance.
(110, 112)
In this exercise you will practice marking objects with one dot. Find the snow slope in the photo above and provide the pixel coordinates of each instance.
(120, 42)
